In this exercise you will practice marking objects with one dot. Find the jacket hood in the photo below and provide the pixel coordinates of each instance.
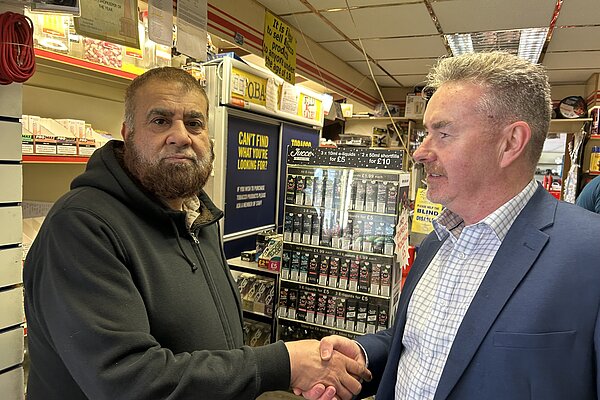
(105, 172)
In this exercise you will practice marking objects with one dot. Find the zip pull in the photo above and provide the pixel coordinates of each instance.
(194, 238)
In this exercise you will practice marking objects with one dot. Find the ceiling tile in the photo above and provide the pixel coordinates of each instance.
(408, 67)
(575, 38)
(385, 81)
(361, 66)
(375, 22)
(572, 77)
(461, 16)
(418, 47)
(343, 50)
(328, 4)
(411, 80)
(280, 7)
(313, 26)
(579, 12)
(572, 60)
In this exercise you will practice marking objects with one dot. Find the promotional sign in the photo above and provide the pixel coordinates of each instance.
(347, 157)
(425, 212)
(247, 87)
(309, 107)
(251, 176)
(279, 48)
(299, 136)
(113, 21)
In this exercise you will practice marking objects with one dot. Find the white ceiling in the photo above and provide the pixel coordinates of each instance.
(403, 40)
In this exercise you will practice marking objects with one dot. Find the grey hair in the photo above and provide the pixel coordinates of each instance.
(163, 74)
(515, 90)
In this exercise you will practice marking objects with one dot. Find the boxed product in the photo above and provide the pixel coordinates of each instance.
(364, 277)
(282, 307)
(301, 309)
(340, 313)
(330, 311)
(313, 269)
(361, 317)
(262, 239)
(353, 275)
(260, 295)
(286, 264)
(292, 303)
(248, 255)
(334, 272)
(271, 255)
(382, 318)
(323, 270)
(321, 308)
(295, 266)
(303, 272)
(343, 275)
(372, 311)
(311, 305)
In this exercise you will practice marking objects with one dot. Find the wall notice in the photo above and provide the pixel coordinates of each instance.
(279, 48)
(425, 212)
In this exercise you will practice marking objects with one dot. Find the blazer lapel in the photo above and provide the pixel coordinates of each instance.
(424, 256)
(515, 257)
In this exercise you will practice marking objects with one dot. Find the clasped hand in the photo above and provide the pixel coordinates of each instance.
(332, 368)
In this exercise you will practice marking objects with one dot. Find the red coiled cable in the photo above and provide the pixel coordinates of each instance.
(17, 59)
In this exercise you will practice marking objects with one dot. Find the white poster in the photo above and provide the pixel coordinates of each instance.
(160, 22)
(191, 28)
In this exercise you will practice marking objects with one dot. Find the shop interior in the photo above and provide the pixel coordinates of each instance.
(359, 66)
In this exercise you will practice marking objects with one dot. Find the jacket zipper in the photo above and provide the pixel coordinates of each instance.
(213, 291)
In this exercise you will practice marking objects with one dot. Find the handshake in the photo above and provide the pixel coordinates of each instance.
(330, 369)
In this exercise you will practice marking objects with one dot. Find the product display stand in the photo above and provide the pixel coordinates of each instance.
(339, 268)
(258, 288)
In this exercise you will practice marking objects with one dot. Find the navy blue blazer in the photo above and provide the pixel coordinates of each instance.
(533, 328)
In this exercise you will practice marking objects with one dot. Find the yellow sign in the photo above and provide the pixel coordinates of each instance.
(279, 48)
(425, 212)
(247, 87)
(309, 107)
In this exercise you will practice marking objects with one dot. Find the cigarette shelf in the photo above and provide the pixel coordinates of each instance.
(292, 206)
(258, 316)
(53, 159)
(300, 245)
(251, 267)
(335, 289)
(326, 327)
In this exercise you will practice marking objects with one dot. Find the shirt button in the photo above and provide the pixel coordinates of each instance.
(427, 353)
(462, 255)
(443, 303)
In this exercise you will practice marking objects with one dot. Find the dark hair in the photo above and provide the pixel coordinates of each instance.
(163, 74)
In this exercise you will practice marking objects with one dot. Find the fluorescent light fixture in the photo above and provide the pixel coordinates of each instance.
(526, 43)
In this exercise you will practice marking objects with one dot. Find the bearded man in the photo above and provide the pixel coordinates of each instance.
(128, 294)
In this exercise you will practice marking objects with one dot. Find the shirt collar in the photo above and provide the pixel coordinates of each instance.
(500, 220)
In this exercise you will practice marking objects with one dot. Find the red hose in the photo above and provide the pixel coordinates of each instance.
(17, 59)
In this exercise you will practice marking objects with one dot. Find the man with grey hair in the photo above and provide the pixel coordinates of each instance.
(503, 300)
(127, 290)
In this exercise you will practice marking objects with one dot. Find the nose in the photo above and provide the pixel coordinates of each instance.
(178, 134)
(423, 153)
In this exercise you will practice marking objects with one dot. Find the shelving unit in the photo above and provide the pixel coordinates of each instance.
(338, 271)
(238, 267)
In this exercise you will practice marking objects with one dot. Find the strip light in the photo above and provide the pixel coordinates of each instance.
(526, 43)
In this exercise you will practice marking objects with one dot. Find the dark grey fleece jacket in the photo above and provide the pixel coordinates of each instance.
(124, 302)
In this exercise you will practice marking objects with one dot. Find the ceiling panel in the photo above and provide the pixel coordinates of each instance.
(280, 7)
(411, 80)
(312, 26)
(579, 12)
(572, 77)
(328, 4)
(429, 46)
(361, 66)
(575, 38)
(343, 50)
(374, 22)
(572, 60)
(462, 16)
(408, 67)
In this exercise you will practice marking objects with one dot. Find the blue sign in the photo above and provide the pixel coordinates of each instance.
(251, 175)
(293, 135)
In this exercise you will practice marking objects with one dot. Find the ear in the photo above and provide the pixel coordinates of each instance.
(516, 137)
(124, 131)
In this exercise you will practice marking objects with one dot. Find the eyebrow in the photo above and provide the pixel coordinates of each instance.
(163, 112)
(440, 124)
